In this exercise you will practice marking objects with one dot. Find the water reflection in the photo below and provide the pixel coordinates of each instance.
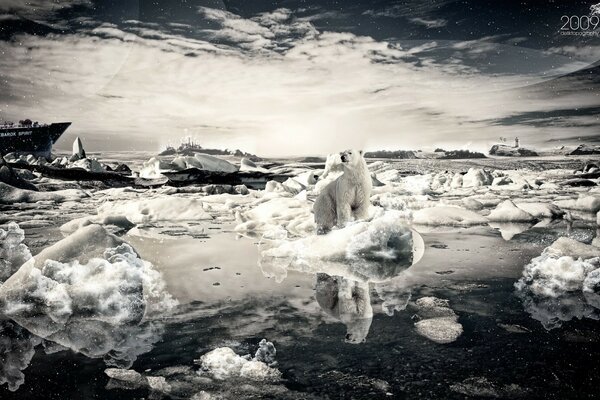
(17, 347)
(345, 269)
(347, 300)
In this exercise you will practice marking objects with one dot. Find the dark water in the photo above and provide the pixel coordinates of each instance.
(227, 301)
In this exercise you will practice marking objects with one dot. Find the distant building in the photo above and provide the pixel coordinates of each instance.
(516, 142)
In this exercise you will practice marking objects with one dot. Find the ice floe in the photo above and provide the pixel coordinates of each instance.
(447, 215)
(13, 252)
(562, 283)
(438, 322)
(89, 292)
(507, 211)
(10, 194)
(223, 364)
(365, 250)
(155, 167)
(162, 208)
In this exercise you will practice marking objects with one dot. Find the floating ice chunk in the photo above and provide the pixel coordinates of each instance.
(507, 211)
(293, 186)
(109, 289)
(125, 375)
(389, 201)
(119, 222)
(204, 162)
(440, 330)
(447, 215)
(154, 167)
(541, 210)
(372, 250)
(561, 283)
(10, 195)
(266, 352)
(68, 283)
(309, 178)
(88, 164)
(222, 363)
(158, 384)
(247, 165)
(439, 322)
(13, 253)
(564, 246)
(472, 204)
(477, 177)
(83, 245)
(164, 208)
(583, 203)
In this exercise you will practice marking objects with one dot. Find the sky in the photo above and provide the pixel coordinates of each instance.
(304, 77)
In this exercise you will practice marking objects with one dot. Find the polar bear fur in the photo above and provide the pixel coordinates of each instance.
(348, 197)
(348, 301)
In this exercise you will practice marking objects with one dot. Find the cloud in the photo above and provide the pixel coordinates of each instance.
(589, 53)
(430, 23)
(38, 8)
(271, 84)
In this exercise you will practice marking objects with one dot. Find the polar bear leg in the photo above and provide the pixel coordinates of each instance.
(362, 211)
(325, 213)
(344, 213)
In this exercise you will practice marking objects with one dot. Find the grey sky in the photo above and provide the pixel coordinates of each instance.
(294, 80)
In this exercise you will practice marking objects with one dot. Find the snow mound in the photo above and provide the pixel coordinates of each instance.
(562, 283)
(165, 208)
(507, 211)
(365, 250)
(447, 215)
(439, 323)
(13, 252)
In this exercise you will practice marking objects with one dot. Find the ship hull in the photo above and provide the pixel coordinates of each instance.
(36, 140)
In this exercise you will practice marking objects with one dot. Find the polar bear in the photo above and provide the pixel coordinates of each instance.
(348, 301)
(346, 198)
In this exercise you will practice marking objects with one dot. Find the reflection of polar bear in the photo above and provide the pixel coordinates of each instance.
(347, 197)
(347, 300)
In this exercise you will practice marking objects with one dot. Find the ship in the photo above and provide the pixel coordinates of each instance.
(29, 137)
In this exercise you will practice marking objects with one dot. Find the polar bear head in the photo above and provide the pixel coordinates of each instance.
(352, 159)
